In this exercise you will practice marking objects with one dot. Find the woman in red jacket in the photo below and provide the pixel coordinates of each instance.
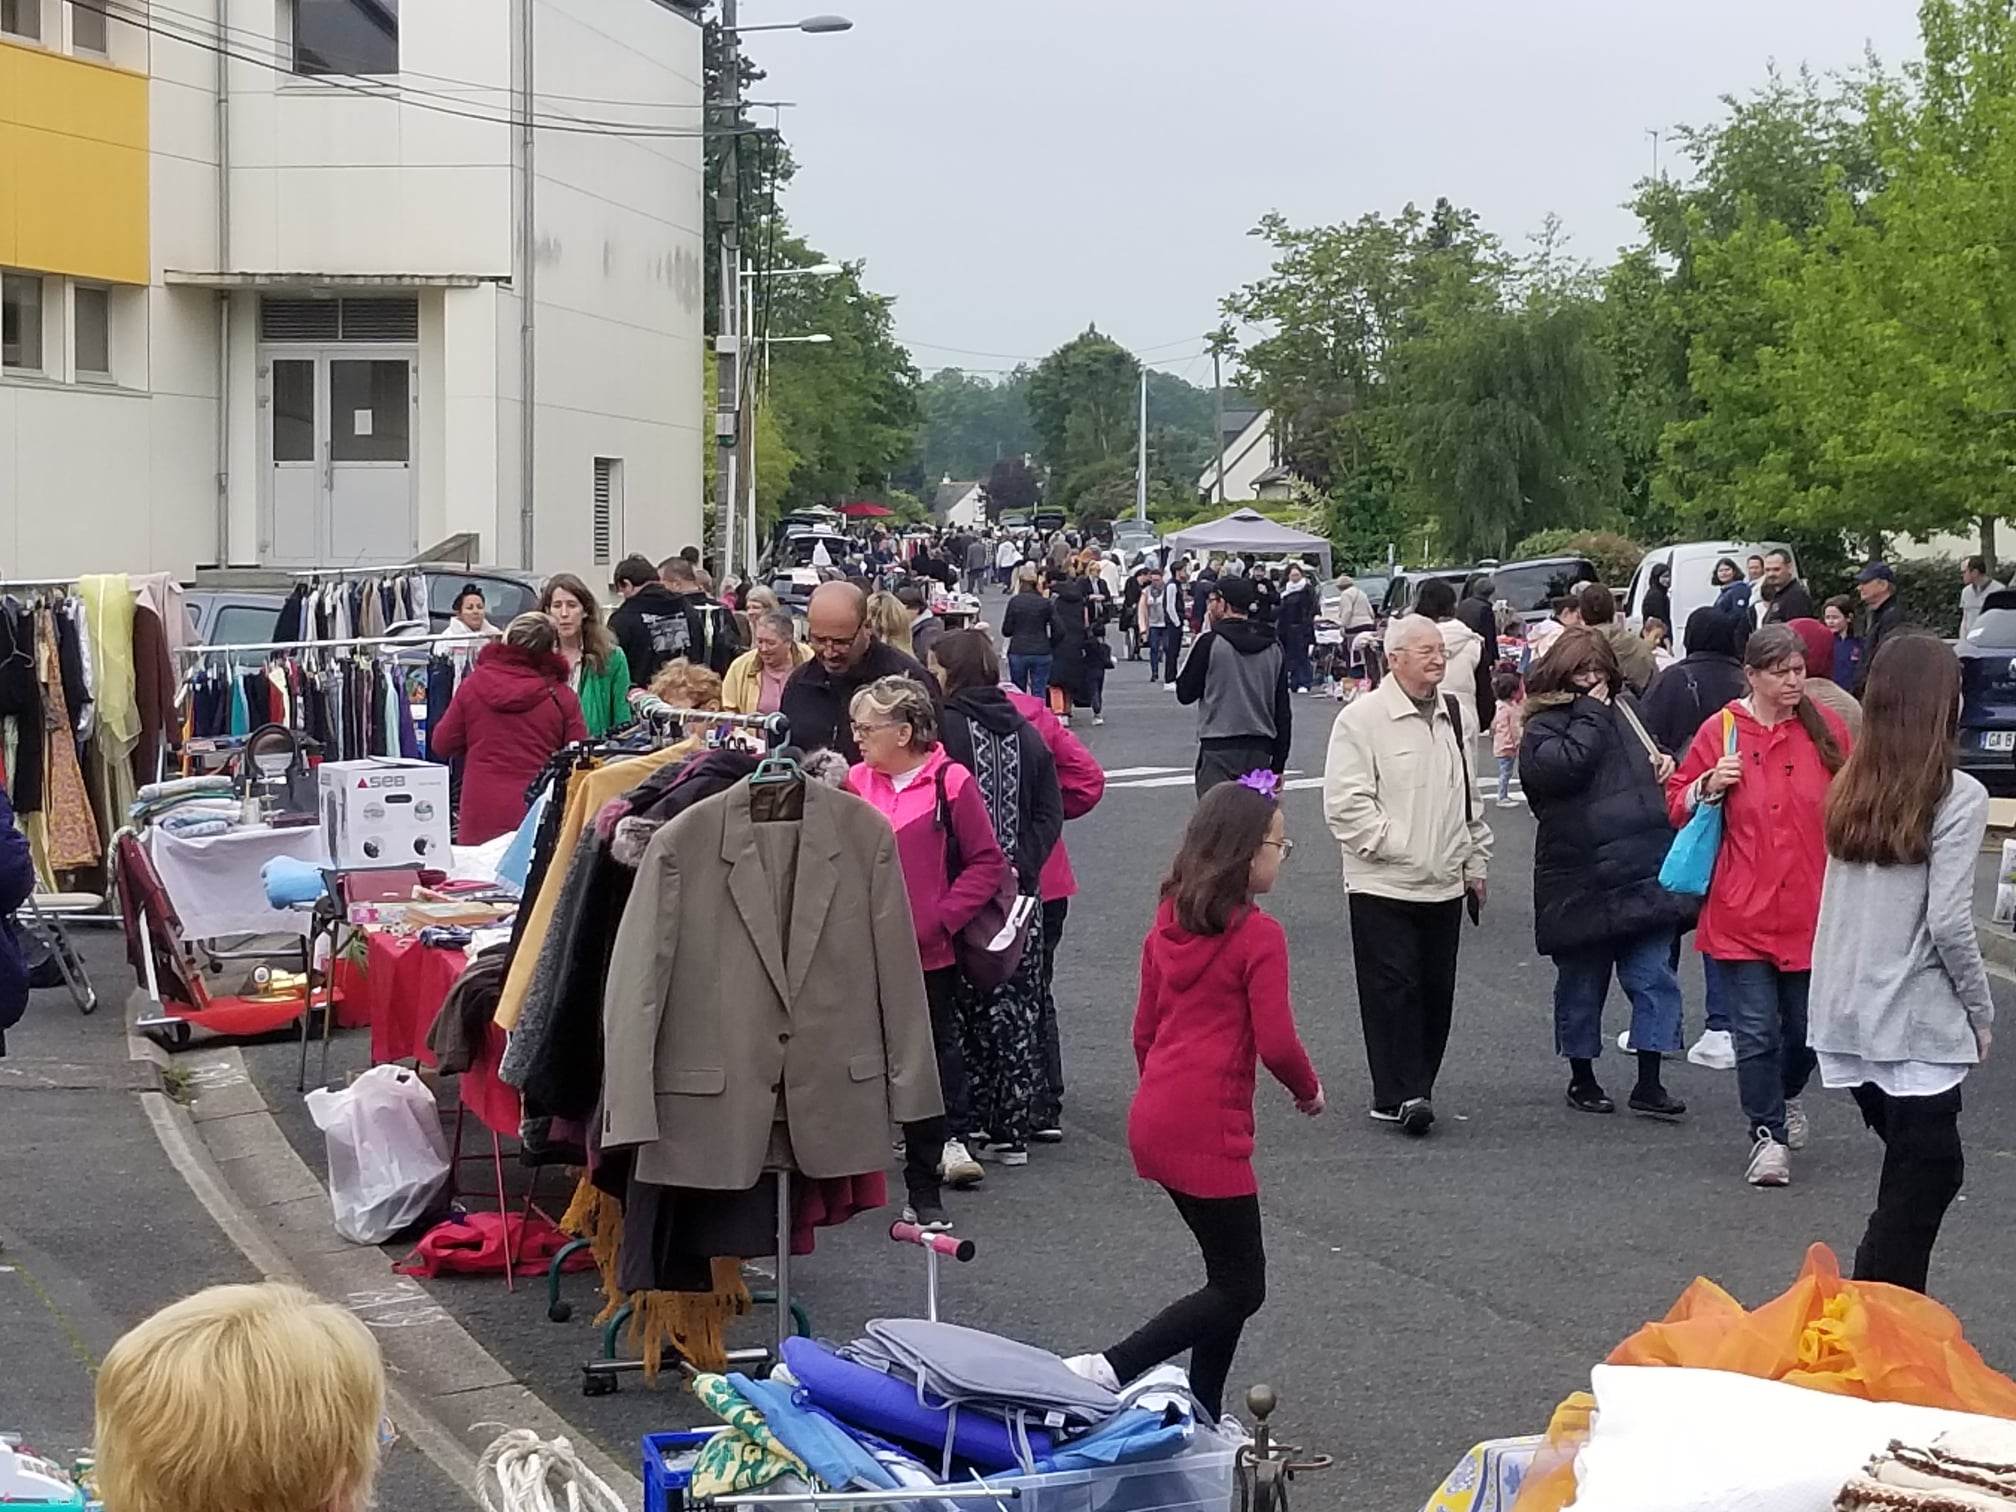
(509, 717)
(1757, 924)
(1214, 997)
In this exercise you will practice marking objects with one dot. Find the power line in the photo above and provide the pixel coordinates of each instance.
(939, 346)
(567, 125)
(259, 37)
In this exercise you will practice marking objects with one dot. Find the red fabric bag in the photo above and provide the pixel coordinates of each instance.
(475, 1245)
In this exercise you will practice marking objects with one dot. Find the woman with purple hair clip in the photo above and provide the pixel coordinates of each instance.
(1213, 1004)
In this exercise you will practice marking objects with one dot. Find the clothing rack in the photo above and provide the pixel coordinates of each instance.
(65, 582)
(650, 707)
(413, 642)
(338, 574)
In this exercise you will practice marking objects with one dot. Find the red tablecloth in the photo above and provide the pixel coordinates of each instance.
(406, 983)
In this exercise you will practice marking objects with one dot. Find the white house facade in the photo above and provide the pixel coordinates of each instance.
(1252, 464)
(280, 316)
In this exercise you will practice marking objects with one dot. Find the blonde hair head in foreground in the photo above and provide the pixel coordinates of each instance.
(241, 1399)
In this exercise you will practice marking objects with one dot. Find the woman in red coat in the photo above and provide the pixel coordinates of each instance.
(509, 717)
(1214, 998)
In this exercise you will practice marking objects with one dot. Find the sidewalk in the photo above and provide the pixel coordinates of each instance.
(99, 1227)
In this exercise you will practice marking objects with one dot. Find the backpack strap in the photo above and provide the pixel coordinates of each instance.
(1462, 755)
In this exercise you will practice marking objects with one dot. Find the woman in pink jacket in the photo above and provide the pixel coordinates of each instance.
(901, 771)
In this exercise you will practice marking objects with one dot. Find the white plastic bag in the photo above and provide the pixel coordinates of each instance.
(388, 1158)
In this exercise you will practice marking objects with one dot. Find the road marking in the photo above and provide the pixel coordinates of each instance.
(1152, 771)
(404, 1304)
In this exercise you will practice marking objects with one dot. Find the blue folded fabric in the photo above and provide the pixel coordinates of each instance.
(291, 881)
(826, 1448)
(1129, 1437)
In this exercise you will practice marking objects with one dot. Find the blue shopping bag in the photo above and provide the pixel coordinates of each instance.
(1689, 867)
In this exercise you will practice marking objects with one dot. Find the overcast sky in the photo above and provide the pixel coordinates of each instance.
(1014, 169)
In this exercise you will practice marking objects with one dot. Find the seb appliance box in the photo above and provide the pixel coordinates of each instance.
(385, 812)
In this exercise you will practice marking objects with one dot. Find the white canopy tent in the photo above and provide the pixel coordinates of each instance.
(1249, 530)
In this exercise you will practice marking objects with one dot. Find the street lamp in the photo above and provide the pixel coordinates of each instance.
(817, 25)
(790, 340)
(817, 270)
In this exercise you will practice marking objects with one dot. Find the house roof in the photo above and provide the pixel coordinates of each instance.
(1250, 434)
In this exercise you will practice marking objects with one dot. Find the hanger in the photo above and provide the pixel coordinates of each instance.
(777, 787)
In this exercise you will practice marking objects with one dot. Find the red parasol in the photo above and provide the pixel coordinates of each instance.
(865, 509)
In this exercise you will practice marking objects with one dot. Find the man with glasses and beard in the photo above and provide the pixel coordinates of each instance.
(845, 658)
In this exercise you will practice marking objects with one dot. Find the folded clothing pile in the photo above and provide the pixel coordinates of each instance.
(159, 799)
(193, 818)
(1970, 1469)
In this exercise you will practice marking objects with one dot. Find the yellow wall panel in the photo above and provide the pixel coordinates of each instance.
(73, 166)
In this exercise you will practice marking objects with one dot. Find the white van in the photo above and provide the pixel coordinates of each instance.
(1691, 584)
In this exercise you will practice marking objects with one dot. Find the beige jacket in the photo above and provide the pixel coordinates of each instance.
(749, 986)
(1394, 795)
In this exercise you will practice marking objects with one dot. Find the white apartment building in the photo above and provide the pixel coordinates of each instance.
(264, 268)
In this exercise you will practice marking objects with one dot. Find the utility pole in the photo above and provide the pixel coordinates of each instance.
(1141, 459)
(728, 340)
(1218, 343)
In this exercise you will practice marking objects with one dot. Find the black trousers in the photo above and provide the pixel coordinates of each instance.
(941, 990)
(1050, 1096)
(1228, 758)
(1208, 1321)
(1405, 955)
(1923, 1167)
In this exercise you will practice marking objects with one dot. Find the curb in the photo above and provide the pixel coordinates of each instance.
(446, 1393)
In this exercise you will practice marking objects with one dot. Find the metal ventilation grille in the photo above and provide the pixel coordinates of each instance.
(604, 467)
(339, 319)
(381, 319)
(298, 320)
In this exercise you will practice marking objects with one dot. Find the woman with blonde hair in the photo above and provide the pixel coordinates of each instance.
(889, 621)
(756, 678)
(241, 1399)
(597, 669)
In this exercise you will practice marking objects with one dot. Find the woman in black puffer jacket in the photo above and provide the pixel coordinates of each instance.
(1595, 781)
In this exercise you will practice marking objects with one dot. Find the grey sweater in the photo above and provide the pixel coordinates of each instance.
(1897, 973)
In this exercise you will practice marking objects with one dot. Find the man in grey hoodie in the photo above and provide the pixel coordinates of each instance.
(1237, 676)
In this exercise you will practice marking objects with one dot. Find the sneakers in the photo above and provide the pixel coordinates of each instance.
(1624, 1043)
(1417, 1116)
(1715, 1049)
(1796, 1126)
(1657, 1102)
(1587, 1097)
(958, 1168)
(1007, 1154)
(1383, 1115)
(927, 1213)
(1509, 803)
(1770, 1162)
(1168, 687)
(1098, 719)
(1094, 1368)
(1048, 1134)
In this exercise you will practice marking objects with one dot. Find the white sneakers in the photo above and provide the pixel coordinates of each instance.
(1093, 1367)
(958, 1168)
(1796, 1126)
(1715, 1049)
(1770, 1162)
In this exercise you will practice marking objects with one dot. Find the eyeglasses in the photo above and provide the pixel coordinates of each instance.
(1287, 846)
(834, 642)
(868, 729)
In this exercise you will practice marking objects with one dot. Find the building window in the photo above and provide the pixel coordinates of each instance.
(345, 36)
(21, 18)
(608, 503)
(87, 27)
(21, 322)
(91, 319)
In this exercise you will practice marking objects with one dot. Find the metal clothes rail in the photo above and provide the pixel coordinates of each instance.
(411, 642)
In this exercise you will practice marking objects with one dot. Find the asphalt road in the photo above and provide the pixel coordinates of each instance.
(1423, 1295)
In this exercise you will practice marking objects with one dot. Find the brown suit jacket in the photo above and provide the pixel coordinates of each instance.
(719, 1018)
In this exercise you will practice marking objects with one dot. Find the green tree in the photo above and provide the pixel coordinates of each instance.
(1012, 484)
(971, 422)
(1083, 403)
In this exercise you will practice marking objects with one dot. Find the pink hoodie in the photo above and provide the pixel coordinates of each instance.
(1080, 777)
(938, 907)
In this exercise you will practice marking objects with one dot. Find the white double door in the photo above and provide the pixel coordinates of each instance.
(339, 427)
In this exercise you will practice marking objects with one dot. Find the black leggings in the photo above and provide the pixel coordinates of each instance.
(1922, 1171)
(1208, 1321)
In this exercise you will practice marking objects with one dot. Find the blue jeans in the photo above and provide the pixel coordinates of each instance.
(1718, 1014)
(1507, 765)
(1030, 673)
(1164, 641)
(1582, 982)
(1767, 1018)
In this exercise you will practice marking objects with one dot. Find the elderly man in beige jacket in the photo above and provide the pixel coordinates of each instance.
(1401, 800)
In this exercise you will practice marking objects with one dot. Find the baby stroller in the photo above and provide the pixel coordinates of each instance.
(46, 947)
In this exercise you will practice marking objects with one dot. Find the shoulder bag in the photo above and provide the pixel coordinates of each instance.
(1689, 868)
(989, 946)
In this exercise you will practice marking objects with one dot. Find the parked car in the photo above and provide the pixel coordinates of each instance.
(1133, 537)
(1406, 583)
(240, 617)
(1692, 585)
(1532, 586)
(1987, 744)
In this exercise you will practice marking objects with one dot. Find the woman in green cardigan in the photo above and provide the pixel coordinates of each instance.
(598, 671)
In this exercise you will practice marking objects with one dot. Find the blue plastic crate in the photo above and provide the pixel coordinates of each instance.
(665, 1489)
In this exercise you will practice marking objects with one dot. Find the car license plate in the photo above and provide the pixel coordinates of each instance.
(1998, 740)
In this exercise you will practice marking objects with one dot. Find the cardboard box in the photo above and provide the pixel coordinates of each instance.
(385, 812)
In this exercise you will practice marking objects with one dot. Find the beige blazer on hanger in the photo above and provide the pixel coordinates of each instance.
(719, 1018)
